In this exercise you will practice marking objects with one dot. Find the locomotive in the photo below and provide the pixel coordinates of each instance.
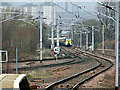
(68, 42)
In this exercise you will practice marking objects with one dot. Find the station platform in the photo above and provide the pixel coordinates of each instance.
(11, 80)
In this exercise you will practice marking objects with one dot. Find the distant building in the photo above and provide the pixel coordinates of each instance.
(30, 10)
(6, 7)
(49, 12)
(0, 11)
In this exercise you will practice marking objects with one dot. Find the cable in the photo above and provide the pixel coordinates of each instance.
(75, 5)
(102, 14)
(105, 5)
(72, 14)
(96, 12)
(10, 18)
(64, 9)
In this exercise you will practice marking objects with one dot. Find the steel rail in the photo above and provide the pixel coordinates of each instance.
(71, 61)
(84, 80)
(73, 76)
(44, 59)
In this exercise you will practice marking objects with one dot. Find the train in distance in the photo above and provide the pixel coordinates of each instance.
(68, 42)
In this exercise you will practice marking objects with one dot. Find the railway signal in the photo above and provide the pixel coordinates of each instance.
(56, 51)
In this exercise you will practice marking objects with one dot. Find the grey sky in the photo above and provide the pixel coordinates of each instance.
(55, 0)
(89, 4)
(46, 0)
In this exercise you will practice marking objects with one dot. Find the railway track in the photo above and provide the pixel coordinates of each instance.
(68, 55)
(76, 57)
(27, 63)
(73, 82)
(107, 53)
(44, 59)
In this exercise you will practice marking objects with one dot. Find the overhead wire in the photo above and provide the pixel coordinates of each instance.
(63, 8)
(105, 5)
(10, 18)
(72, 14)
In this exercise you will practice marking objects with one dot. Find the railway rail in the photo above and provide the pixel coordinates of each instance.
(30, 62)
(76, 57)
(73, 82)
(107, 53)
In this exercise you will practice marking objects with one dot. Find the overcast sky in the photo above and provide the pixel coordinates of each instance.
(46, 0)
(58, 0)
(55, 0)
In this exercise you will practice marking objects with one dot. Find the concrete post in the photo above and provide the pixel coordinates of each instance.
(80, 40)
(117, 46)
(92, 38)
(58, 33)
(52, 36)
(87, 41)
(40, 36)
(103, 39)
